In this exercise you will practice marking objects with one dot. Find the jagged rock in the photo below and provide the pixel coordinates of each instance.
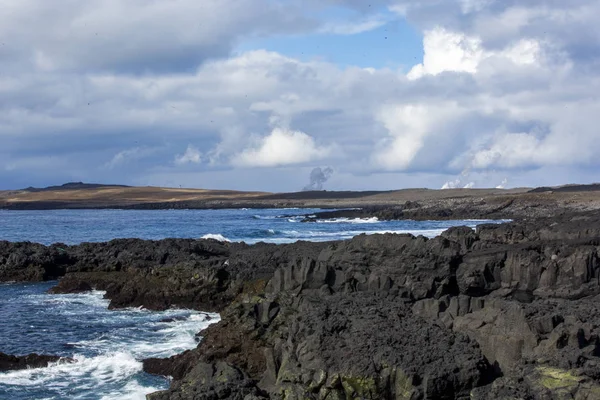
(8, 362)
(540, 383)
(503, 311)
(211, 381)
(66, 286)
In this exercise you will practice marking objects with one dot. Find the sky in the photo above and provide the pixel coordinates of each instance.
(256, 94)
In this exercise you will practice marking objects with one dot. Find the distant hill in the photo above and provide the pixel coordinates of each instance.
(322, 194)
(72, 186)
(568, 188)
(80, 195)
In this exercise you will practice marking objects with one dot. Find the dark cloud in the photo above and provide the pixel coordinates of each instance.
(135, 36)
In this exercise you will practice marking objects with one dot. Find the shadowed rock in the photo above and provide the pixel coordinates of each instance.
(8, 362)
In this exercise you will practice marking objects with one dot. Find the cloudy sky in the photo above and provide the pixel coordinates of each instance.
(254, 94)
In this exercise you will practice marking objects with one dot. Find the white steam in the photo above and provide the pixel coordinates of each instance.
(318, 176)
(461, 182)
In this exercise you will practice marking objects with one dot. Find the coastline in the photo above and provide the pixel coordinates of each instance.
(504, 310)
(415, 204)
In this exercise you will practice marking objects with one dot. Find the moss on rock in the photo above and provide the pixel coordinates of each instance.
(557, 379)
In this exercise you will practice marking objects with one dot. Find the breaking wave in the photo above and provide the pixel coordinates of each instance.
(107, 363)
(372, 220)
(216, 236)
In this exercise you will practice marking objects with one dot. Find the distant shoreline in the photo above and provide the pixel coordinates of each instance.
(417, 204)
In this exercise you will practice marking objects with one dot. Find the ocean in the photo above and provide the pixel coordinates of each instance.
(109, 345)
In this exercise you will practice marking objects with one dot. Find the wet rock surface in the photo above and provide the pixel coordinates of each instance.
(9, 362)
(501, 312)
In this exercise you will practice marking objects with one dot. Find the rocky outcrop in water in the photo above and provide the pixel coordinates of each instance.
(468, 206)
(413, 210)
(501, 312)
(199, 274)
(8, 362)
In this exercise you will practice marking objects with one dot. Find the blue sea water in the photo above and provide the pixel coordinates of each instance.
(249, 225)
(109, 345)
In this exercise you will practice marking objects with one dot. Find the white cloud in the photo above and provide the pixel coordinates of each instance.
(191, 156)
(409, 128)
(509, 150)
(469, 6)
(506, 89)
(448, 51)
(523, 52)
(568, 26)
(282, 147)
(458, 52)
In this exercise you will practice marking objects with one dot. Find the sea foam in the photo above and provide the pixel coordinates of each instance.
(108, 365)
(216, 236)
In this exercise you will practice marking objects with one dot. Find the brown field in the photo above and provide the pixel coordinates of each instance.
(115, 196)
(569, 197)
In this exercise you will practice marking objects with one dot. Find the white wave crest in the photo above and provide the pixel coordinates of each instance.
(132, 391)
(116, 370)
(84, 372)
(372, 220)
(265, 216)
(167, 338)
(92, 299)
(216, 236)
(109, 364)
(176, 336)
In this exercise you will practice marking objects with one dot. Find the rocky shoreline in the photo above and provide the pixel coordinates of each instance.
(501, 312)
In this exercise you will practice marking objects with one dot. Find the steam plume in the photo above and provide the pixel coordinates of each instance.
(460, 181)
(318, 176)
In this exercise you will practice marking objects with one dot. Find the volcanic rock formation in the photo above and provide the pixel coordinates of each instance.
(501, 312)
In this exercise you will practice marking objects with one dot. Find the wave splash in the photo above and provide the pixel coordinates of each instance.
(215, 236)
(108, 364)
(372, 220)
